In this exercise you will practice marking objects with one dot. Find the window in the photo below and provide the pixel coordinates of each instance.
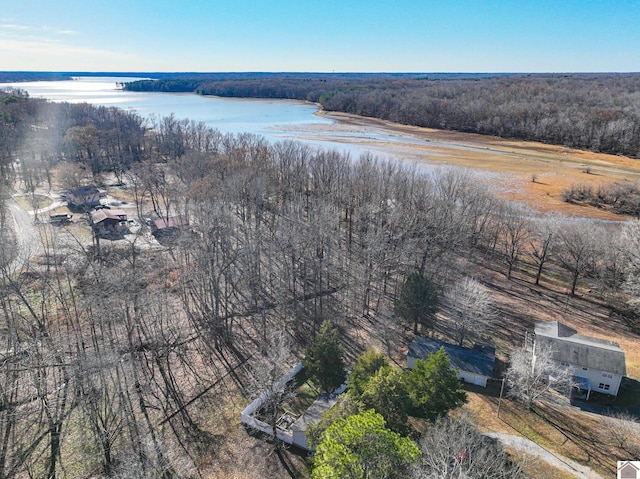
(607, 375)
(604, 386)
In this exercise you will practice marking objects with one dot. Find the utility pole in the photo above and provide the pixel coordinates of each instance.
(500, 398)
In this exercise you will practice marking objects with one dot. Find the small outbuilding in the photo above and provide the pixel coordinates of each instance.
(60, 219)
(311, 417)
(474, 365)
(168, 226)
(289, 431)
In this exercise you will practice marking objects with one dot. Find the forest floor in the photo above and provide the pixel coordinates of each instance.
(510, 165)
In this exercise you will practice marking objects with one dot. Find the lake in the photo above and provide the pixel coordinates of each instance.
(276, 120)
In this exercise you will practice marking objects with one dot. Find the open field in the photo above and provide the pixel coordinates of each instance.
(509, 164)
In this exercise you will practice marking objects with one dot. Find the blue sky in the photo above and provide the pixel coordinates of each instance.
(321, 35)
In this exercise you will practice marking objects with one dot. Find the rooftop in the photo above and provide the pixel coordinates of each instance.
(479, 360)
(581, 351)
(555, 329)
(171, 222)
(85, 190)
(98, 216)
(314, 413)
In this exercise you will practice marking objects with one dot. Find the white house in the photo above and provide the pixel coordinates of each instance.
(597, 364)
(474, 366)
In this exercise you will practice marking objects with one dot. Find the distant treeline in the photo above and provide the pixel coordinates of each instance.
(598, 112)
(7, 77)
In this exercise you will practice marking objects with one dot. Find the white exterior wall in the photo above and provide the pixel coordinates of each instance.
(596, 378)
(246, 416)
(411, 362)
(472, 378)
(299, 438)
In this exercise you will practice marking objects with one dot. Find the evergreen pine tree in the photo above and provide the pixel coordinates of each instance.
(324, 359)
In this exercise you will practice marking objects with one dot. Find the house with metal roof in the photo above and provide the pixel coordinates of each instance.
(475, 365)
(597, 364)
(85, 197)
(290, 430)
(311, 416)
(108, 220)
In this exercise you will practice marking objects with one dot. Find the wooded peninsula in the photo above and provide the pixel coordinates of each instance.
(598, 112)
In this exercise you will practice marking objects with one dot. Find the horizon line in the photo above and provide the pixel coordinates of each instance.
(283, 72)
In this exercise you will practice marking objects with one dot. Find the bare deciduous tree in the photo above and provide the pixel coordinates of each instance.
(578, 248)
(541, 241)
(623, 430)
(265, 378)
(531, 375)
(471, 308)
(453, 448)
(515, 233)
(631, 285)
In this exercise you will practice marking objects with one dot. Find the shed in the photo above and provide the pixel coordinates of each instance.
(310, 417)
(474, 366)
(61, 218)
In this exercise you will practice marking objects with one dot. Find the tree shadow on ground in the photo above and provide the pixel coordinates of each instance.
(581, 431)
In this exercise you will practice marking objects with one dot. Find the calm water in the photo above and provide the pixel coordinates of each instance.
(273, 119)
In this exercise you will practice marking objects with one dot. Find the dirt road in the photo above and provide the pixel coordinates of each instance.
(527, 446)
(26, 234)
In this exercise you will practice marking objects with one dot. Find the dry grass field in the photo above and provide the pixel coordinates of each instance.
(510, 165)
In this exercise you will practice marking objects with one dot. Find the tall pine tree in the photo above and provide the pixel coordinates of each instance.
(434, 388)
(324, 359)
(418, 302)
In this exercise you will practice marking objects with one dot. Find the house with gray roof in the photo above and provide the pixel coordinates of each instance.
(474, 366)
(597, 364)
(85, 197)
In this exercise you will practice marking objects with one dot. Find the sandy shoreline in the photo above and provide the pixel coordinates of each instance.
(513, 163)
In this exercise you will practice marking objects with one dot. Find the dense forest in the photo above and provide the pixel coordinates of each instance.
(124, 360)
(598, 112)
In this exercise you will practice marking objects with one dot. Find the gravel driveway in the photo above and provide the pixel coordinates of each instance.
(529, 447)
(26, 233)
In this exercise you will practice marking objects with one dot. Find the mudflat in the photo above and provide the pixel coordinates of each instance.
(527, 172)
